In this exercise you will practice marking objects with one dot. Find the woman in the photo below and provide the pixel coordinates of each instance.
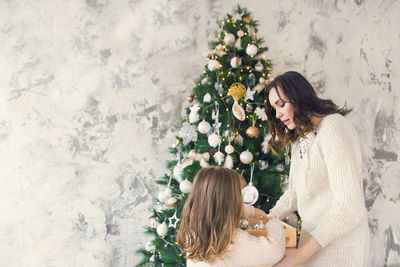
(210, 231)
(325, 180)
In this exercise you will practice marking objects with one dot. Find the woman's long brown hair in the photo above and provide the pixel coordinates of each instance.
(211, 214)
(306, 104)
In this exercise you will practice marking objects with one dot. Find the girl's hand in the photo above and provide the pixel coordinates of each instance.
(292, 258)
(260, 214)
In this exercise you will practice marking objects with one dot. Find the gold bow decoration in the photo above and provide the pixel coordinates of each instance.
(237, 91)
(203, 158)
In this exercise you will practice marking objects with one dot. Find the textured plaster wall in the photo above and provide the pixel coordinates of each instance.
(91, 94)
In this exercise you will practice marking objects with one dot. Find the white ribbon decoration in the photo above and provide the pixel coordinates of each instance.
(192, 156)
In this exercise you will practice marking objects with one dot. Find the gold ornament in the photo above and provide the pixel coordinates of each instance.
(237, 91)
(177, 142)
(190, 98)
(253, 132)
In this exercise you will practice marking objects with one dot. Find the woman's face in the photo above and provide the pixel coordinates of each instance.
(284, 110)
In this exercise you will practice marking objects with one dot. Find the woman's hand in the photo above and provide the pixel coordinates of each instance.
(292, 258)
(260, 214)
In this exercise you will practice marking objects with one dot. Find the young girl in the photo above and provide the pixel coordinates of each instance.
(210, 231)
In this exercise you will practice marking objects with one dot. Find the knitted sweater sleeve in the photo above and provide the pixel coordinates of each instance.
(340, 148)
(255, 251)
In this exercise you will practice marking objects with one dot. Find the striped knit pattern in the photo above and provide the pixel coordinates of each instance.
(248, 250)
(326, 189)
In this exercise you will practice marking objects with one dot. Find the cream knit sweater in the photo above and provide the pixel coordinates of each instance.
(248, 250)
(325, 186)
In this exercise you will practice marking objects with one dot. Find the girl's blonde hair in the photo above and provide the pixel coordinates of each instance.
(211, 214)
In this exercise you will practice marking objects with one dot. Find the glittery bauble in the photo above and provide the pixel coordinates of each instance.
(236, 62)
(204, 127)
(162, 229)
(229, 38)
(246, 157)
(214, 140)
(238, 140)
(185, 186)
(251, 50)
(188, 133)
(253, 132)
(171, 202)
(238, 111)
(237, 91)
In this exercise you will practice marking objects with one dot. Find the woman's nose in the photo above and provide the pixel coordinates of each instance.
(278, 114)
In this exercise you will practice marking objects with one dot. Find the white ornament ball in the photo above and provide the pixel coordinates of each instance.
(229, 38)
(204, 127)
(246, 157)
(149, 246)
(212, 64)
(162, 196)
(229, 149)
(162, 229)
(207, 98)
(251, 50)
(214, 140)
(240, 33)
(153, 259)
(185, 186)
(259, 66)
(236, 62)
(177, 172)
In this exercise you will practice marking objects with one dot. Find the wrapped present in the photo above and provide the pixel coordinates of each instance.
(256, 227)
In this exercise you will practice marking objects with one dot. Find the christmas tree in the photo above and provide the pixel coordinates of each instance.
(225, 125)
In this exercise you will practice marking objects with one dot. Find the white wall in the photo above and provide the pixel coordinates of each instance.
(91, 96)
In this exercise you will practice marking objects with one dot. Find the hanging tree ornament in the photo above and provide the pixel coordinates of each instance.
(218, 86)
(188, 133)
(238, 140)
(246, 157)
(236, 62)
(264, 145)
(237, 91)
(214, 139)
(213, 64)
(207, 98)
(229, 149)
(171, 202)
(259, 66)
(194, 113)
(206, 80)
(185, 186)
(249, 108)
(162, 229)
(260, 112)
(219, 156)
(220, 50)
(249, 94)
(253, 131)
(263, 164)
(190, 98)
(229, 38)
(280, 167)
(238, 43)
(149, 246)
(204, 127)
(240, 33)
(177, 172)
(251, 50)
(173, 221)
(250, 192)
(162, 196)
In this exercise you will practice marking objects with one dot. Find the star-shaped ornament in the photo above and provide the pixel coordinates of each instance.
(249, 94)
(171, 219)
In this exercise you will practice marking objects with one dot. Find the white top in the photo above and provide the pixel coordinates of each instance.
(325, 186)
(248, 250)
